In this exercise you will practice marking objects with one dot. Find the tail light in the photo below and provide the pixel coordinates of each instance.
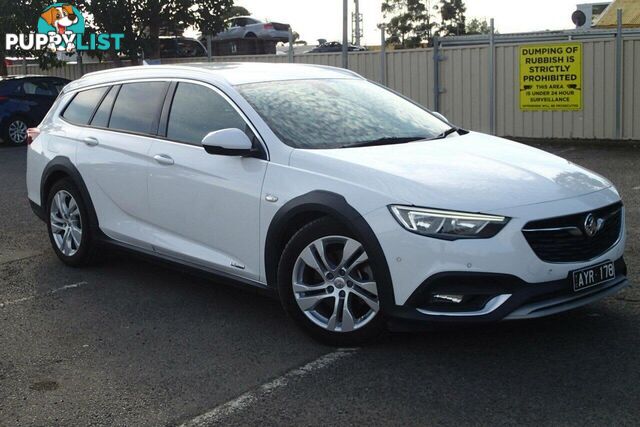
(268, 26)
(32, 134)
(4, 98)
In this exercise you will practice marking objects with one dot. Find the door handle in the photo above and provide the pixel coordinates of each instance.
(163, 159)
(90, 141)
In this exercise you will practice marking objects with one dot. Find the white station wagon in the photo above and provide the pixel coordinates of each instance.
(357, 207)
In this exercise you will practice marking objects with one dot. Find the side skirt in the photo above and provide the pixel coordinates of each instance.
(191, 268)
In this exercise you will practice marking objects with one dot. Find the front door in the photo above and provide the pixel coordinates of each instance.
(205, 208)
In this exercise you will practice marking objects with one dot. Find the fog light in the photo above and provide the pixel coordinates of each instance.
(455, 299)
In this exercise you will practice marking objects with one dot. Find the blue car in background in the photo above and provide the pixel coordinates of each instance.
(24, 101)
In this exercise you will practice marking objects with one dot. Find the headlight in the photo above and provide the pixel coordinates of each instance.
(448, 225)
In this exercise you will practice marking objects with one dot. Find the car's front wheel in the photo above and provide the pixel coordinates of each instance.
(327, 284)
(16, 131)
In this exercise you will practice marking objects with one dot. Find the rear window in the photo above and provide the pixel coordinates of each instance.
(36, 87)
(137, 108)
(81, 108)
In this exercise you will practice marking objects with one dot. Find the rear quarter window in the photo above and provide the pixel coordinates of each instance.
(82, 106)
(101, 117)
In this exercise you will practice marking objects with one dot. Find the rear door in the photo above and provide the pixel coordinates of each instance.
(205, 207)
(113, 158)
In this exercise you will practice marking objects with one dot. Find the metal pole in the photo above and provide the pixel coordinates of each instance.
(345, 33)
(383, 54)
(619, 47)
(80, 63)
(357, 26)
(436, 73)
(492, 79)
(291, 45)
(209, 47)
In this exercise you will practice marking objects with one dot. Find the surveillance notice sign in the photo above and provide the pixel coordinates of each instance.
(551, 77)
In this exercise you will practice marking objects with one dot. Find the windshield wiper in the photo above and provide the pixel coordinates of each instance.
(384, 141)
(447, 132)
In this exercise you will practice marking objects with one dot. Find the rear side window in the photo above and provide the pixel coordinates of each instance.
(137, 108)
(196, 111)
(37, 87)
(101, 118)
(81, 108)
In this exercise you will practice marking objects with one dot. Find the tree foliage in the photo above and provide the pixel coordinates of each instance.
(21, 17)
(143, 21)
(234, 11)
(478, 26)
(453, 17)
(411, 23)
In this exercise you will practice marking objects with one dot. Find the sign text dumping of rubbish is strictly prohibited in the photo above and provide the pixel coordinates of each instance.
(551, 77)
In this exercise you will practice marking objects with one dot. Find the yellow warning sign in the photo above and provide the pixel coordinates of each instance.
(551, 77)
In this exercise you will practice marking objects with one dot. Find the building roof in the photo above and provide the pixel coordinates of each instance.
(630, 14)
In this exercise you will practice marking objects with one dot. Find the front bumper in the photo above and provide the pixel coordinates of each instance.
(499, 297)
(508, 279)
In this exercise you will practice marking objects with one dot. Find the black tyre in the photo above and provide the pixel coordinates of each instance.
(68, 224)
(15, 131)
(327, 285)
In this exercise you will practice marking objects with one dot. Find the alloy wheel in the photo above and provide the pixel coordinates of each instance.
(66, 223)
(18, 132)
(334, 286)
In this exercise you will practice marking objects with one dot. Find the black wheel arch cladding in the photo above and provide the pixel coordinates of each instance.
(335, 206)
(62, 166)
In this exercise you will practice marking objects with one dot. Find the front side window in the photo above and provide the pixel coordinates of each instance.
(137, 108)
(338, 113)
(81, 108)
(197, 111)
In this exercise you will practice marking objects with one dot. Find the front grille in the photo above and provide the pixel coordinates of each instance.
(564, 239)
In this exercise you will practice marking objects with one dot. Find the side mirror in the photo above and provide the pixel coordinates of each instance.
(228, 142)
(440, 116)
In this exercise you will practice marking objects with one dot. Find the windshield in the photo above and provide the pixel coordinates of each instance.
(335, 113)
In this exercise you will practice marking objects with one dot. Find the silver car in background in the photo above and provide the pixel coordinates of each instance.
(246, 27)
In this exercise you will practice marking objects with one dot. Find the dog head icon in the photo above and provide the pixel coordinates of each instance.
(60, 17)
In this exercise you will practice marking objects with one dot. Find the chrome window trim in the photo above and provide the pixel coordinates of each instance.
(208, 85)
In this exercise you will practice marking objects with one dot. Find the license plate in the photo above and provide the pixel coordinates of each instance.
(593, 276)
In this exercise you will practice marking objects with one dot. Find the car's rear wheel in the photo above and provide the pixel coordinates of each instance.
(327, 284)
(16, 131)
(68, 224)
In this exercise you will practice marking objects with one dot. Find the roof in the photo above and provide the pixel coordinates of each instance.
(630, 14)
(235, 73)
(30, 76)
